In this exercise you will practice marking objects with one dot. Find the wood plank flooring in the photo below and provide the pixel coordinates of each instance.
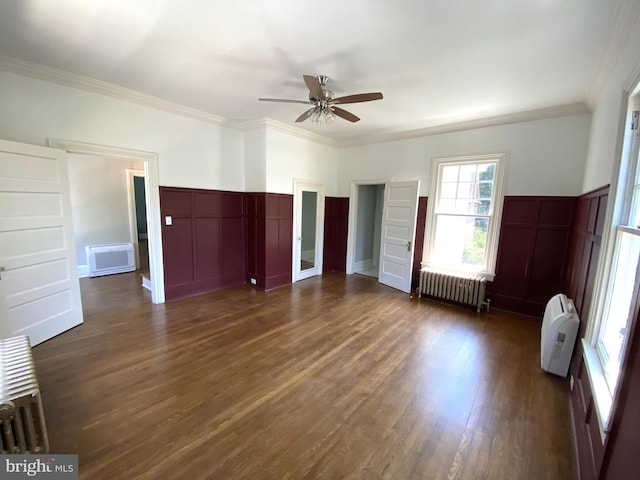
(332, 377)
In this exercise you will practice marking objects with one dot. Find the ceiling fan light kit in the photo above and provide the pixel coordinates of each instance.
(324, 101)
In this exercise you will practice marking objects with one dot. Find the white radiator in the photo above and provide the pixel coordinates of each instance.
(22, 427)
(454, 287)
(108, 259)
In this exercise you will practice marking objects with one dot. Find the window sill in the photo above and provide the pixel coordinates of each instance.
(602, 398)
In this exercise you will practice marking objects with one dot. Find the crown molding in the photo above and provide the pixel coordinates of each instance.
(625, 16)
(61, 77)
(285, 128)
(517, 117)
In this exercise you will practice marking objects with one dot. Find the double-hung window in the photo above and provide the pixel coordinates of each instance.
(464, 213)
(617, 303)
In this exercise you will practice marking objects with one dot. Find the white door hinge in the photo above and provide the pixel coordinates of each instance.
(634, 121)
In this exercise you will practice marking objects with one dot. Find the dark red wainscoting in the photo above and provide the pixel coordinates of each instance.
(586, 237)
(203, 248)
(269, 239)
(336, 226)
(532, 252)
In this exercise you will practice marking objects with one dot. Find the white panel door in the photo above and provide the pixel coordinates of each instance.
(39, 288)
(398, 234)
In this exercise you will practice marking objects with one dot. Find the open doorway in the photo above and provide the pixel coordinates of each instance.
(382, 225)
(149, 162)
(368, 225)
(365, 223)
(138, 223)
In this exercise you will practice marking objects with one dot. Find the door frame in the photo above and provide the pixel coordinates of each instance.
(152, 191)
(353, 219)
(300, 186)
(133, 216)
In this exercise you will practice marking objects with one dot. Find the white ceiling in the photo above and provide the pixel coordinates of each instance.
(437, 62)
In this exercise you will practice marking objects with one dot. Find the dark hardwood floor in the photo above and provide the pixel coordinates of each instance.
(332, 377)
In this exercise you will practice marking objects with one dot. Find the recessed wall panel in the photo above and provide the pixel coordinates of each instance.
(28, 204)
(23, 167)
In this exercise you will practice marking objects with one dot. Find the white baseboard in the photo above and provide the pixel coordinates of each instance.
(363, 265)
(146, 283)
(83, 271)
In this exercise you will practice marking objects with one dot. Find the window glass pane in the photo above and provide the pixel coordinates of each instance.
(465, 206)
(475, 246)
(468, 172)
(467, 190)
(486, 171)
(617, 313)
(485, 189)
(447, 206)
(460, 241)
(450, 173)
(482, 207)
(448, 190)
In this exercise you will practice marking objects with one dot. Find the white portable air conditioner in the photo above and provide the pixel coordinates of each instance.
(559, 330)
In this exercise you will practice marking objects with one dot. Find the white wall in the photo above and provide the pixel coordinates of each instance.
(609, 106)
(546, 156)
(191, 153)
(290, 157)
(365, 222)
(255, 160)
(99, 201)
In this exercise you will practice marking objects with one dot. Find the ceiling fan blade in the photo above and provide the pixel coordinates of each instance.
(283, 100)
(305, 115)
(358, 97)
(344, 114)
(315, 89)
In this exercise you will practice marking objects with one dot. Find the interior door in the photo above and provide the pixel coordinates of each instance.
(398, 234)
(308, 230)
(39, 287)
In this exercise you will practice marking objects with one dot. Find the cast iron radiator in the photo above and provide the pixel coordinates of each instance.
(454, 287)
(22, 427)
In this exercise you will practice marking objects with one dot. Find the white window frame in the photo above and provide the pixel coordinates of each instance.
(619, 214)
(495, 214)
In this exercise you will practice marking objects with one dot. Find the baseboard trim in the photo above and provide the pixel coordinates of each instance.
(146, 283)
(363, 265)
(83, 271)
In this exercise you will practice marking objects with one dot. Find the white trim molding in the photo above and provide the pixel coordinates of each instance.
(352, 226)
(285, 128)
(152, 190)
(62, 77)
(516, 117)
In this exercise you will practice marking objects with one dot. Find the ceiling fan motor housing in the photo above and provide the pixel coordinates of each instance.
(327, 94)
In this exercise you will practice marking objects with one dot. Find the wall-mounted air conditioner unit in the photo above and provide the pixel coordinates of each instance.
(108, 259)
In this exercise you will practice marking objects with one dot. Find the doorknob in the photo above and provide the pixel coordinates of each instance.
(409, 246)
(1, 270)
